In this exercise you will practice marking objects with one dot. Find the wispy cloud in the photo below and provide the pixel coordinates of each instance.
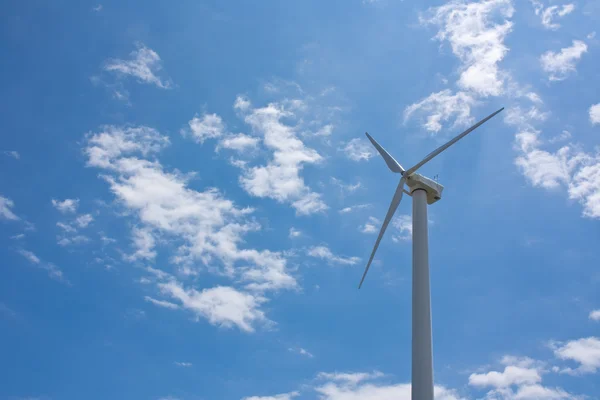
(301, 351)
(66, 205)
(5, 209)
(562, 64)
(350, 209)
(12, 153)
(161, 303)
(358, 149)
(595, 114)
(53, 271)
(371, 226)
(549, 14)
(144, 64)
(183, 364)
(294, 233)
(324, 253)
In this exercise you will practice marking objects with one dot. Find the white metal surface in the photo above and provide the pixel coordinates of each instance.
(433, 189)
(422, 351)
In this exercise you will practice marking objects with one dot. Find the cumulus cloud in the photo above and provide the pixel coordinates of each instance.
(324, 253)
(66, 206)
(358, 149)
(370, 226)
(476, 33)
(239, 142)
(584, 351)
(578, 171)
(144, 64)
(5, 209)
(280, 179)
(206, 126)
(206, 228)
(595, 315)
(443, 107)
(561, 65)
(221, 305)
(548, 15)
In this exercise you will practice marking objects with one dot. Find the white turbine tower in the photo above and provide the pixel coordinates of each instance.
(423, 191)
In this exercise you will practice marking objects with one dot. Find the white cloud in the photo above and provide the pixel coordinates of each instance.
(207, 126)
(575, 170)
(144, 64)
(549, 14)
(356, 386)
(283, 396)
(585, 351)
(512, 375)
(239, 142)
(301, 351)
(280, 178)
(12, 153)
(350, 209)
(18, 236)
(206, 226)
(5, 209)
(53, 271)
(97, 8)
(84, 220)
(595, 315)
(222, 306)
(595, 114)
(585, 185)
(324, 253)
(294, 233)
(521, 379)
(30, 256)
(161, 303)
(113, 142)
(71, 240)
(183, 364)
(560, 65)
(370, 226)
(403, 225)
(442, 107)
(351, 378)
(358, 149)
(476, 39)
(144, 242)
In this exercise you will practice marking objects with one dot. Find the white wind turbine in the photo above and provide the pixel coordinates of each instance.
(423, 191)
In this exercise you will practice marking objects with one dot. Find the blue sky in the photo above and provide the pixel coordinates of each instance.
(188, 200)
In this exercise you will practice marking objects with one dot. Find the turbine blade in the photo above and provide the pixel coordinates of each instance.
(392, 164)
(388, 217)
(450, 143)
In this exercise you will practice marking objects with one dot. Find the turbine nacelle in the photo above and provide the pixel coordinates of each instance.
(417, 181)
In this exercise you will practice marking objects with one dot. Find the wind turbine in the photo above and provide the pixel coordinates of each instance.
(424, 191)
